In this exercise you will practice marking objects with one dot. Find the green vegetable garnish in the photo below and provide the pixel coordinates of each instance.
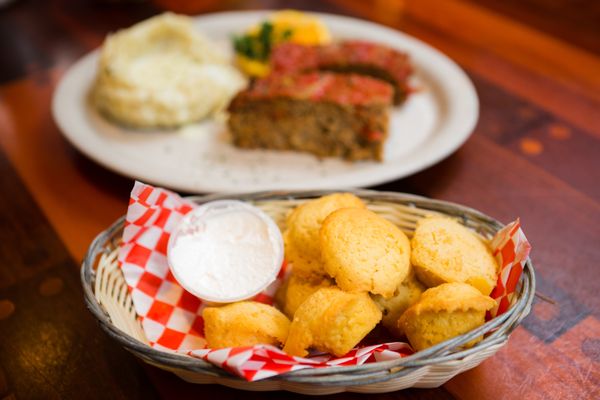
(258, 46)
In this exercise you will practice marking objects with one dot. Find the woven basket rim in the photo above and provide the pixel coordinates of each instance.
(369, 373)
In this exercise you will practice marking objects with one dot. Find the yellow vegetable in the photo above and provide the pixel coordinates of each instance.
(252, 67)
(254, 47)
(306, 29)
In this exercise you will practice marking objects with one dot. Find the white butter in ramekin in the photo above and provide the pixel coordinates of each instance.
(225, 251)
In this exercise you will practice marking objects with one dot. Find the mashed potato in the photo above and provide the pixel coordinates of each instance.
(162, 73)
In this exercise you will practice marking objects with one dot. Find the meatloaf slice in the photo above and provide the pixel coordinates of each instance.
(323, 113)
(351, 56)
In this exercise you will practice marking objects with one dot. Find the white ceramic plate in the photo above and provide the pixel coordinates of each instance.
(432, 124)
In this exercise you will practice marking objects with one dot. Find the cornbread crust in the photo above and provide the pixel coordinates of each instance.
(364, 252)
(407, 294)
(299, 289)
(245, 323)
(332, 321)
(443, 250)
(443, 312)
(302, 243)
(303, 266)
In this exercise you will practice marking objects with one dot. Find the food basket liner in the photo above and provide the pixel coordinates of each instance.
(171, 317)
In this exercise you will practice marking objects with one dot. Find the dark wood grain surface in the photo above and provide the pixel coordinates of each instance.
(535, 154)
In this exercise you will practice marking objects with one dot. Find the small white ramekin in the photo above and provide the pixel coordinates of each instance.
(196, 216)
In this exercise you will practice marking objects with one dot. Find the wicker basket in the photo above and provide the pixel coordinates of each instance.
(108, 299)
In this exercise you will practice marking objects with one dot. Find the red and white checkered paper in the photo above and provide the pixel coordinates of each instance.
(511, 249)
(172, 317)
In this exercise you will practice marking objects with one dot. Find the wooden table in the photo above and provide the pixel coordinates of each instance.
(535, 154)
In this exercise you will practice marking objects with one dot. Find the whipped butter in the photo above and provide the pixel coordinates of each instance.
(225, 251)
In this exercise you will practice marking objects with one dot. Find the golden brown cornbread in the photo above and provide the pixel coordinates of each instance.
(279, 298)
(443, 312)
(443, 250)
(364, 252)
(407, 294)
(309, 268)
(304, 222)
(332, 321)
(244, 323)
(299, 289)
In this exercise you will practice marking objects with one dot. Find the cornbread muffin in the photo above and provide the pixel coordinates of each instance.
(406, 294)
(332, 321)
(443, 312)
(244, 324)
(280, 293)
(309, 268)
(443, 250)
(299, 289)
(162, 73)
(364, 252)
(302, 248)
